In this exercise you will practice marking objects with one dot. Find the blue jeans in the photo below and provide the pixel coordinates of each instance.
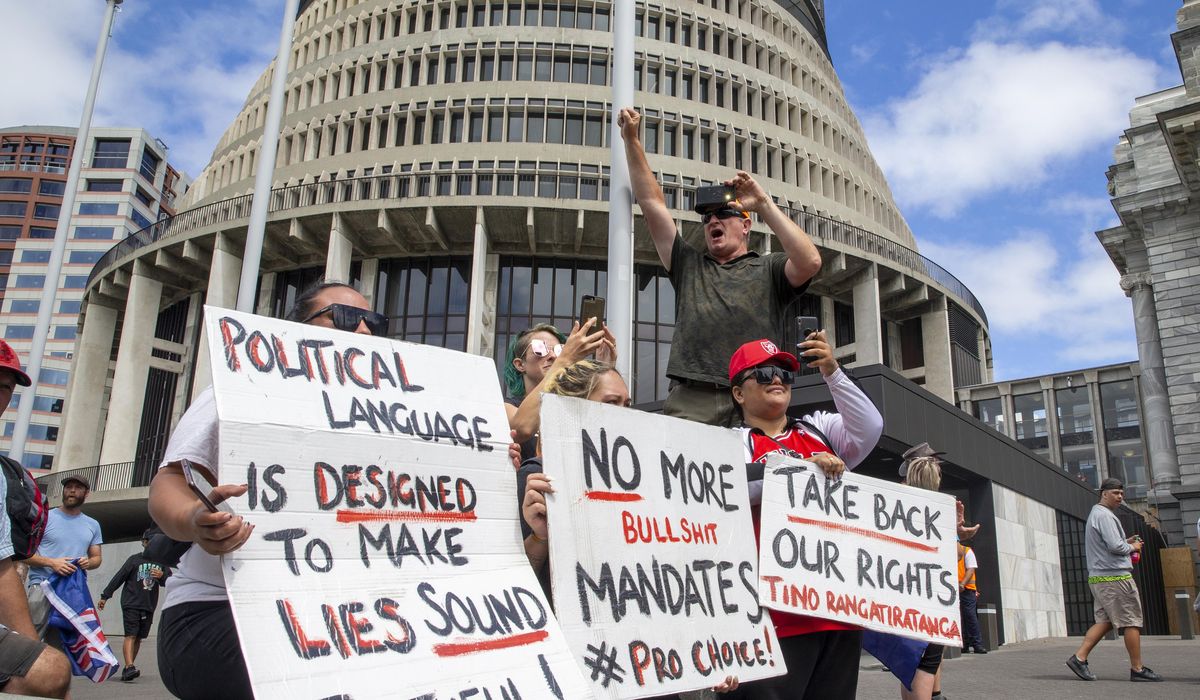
(968, 602)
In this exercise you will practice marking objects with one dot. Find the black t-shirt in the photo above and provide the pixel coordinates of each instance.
(719, 307)
(140, 587)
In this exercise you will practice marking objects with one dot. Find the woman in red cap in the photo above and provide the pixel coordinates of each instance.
(822, 656)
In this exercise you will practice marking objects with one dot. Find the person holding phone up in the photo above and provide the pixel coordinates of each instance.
(726, 294)
(198, 652)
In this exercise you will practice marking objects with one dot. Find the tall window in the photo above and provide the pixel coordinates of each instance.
(1030, 417)
(427, 299)
(991, 413)
(1076, 431)
(111, 153)
(149, 167)
(1123, 433)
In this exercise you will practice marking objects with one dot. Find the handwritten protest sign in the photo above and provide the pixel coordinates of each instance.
(652, 550)
(386, 559)
(859, 550)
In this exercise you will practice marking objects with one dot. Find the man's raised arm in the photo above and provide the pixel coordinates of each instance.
(804, 260)
(646, 189)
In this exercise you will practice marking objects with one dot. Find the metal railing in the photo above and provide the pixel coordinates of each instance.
(556, 184)
(102, 477)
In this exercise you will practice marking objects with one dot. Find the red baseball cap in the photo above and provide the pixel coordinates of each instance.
(12, 363)
(758, 352)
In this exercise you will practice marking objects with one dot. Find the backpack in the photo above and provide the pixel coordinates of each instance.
(27, 509)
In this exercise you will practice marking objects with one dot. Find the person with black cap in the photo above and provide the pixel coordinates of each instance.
(72, 540)
(140, 578)
(27, 665)
(1116, 602)
(822, 655)
(726, 294)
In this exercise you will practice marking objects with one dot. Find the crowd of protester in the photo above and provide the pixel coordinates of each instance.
(728, 367)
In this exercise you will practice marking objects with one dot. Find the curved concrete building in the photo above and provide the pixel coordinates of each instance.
(453, 158)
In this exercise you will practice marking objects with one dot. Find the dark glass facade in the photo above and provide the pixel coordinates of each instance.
(427, 299)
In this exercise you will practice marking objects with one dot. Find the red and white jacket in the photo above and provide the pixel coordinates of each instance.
(852, 433)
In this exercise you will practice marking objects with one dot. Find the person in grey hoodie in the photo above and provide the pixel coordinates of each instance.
(1110, 576)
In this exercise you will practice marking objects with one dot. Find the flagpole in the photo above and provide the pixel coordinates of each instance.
(620, 192)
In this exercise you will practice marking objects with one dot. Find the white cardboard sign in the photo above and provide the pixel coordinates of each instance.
(386, 559)
(652, 551)
(859, 550)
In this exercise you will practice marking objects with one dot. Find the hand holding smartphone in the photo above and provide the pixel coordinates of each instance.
(189, 475)
(592, 307)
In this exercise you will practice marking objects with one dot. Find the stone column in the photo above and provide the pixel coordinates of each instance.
(868, 335)
(475, 309)
(224, 275)
(80, 435)
(1092, 378)
(1156, 407)
(935, 336)
(133, 363)
(370, 280)
(339, 252)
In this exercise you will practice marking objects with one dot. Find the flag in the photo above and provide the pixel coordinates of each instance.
(900, 655)
(74, 616)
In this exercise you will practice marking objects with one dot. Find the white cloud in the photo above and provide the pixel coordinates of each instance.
(180, 70)
(999, 116)
(1067, 302)
(863, 53)
(1081, 18)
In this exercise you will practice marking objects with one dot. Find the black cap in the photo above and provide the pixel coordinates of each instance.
(1111, 484)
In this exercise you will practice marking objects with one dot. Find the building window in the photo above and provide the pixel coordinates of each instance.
(1123, 435)
(30, 281)
(427, 299)
(104, 185)
(10, 233)
(98, 208)
(1029, 418)
(990, 412)
(150, 162)
(24, 306)
(15, 185)
(75, 282)
(52, 188)
(69, 307)
(56, 377)
(64, 332)
(45, 211)
(111, 153)
(35, 256)
(1076, 433)
(90, 257)
(14, 209)
(94, 233)
(41, 232)
(18, 332)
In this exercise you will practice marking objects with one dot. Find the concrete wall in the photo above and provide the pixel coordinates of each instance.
(1030, 573)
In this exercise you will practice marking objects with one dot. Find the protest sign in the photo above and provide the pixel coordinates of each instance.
(652, 551)
(386, 559)
(859, 550)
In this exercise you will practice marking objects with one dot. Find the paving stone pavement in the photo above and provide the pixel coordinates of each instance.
(1028, 670)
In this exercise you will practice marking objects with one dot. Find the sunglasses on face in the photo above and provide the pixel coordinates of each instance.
(766, 374)
(540, 349)
(347, 318)
(721, 214)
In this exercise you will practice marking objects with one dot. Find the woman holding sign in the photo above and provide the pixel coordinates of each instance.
(198, 651)
(822, 655)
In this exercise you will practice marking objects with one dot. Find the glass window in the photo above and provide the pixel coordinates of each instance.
(41, 232)
(506, 68)
(16, 185)
(64, 332)
(35, 256)
(91, 257)
(98, 208)
(104, 185)
(515, 126)
(24, 306)
(475, 132)
(150, 163)
(1119, 404)
(52, 188)
(10, 233)
(554, 128)
(111, 153)
(75, 281)
(1029, 416)
(57, 377)
(45, 211)
(98, 233)
(1074, 413)
(991, 413)
(30, 281)
(16, 209)
(138, 218)
(534, 126)
(18, 332)
(69, 306)
(426, 299)
(525, 67)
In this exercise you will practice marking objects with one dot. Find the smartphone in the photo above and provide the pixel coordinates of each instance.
(591, 307)
(189, 475)
(713, 197)
(807, 325)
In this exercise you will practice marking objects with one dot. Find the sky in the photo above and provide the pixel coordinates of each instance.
(993, 120)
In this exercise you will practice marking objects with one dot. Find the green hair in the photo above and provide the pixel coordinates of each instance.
(514, 381)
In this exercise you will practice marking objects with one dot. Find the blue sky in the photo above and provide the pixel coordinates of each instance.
(994, 121)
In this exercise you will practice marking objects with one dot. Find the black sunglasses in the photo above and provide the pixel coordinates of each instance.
(721, 214)
(766, 374)
(347, 318)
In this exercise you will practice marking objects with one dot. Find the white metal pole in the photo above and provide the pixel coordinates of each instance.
(620, 193)
(54, 268)
(265, 170)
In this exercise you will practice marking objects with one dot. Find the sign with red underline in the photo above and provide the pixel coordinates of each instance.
(860, 551)
(386, 559)
(652, 551)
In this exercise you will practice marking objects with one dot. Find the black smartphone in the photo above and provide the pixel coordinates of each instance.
(189, 475)
(712, 198)
(807, 325)
(591, 307)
